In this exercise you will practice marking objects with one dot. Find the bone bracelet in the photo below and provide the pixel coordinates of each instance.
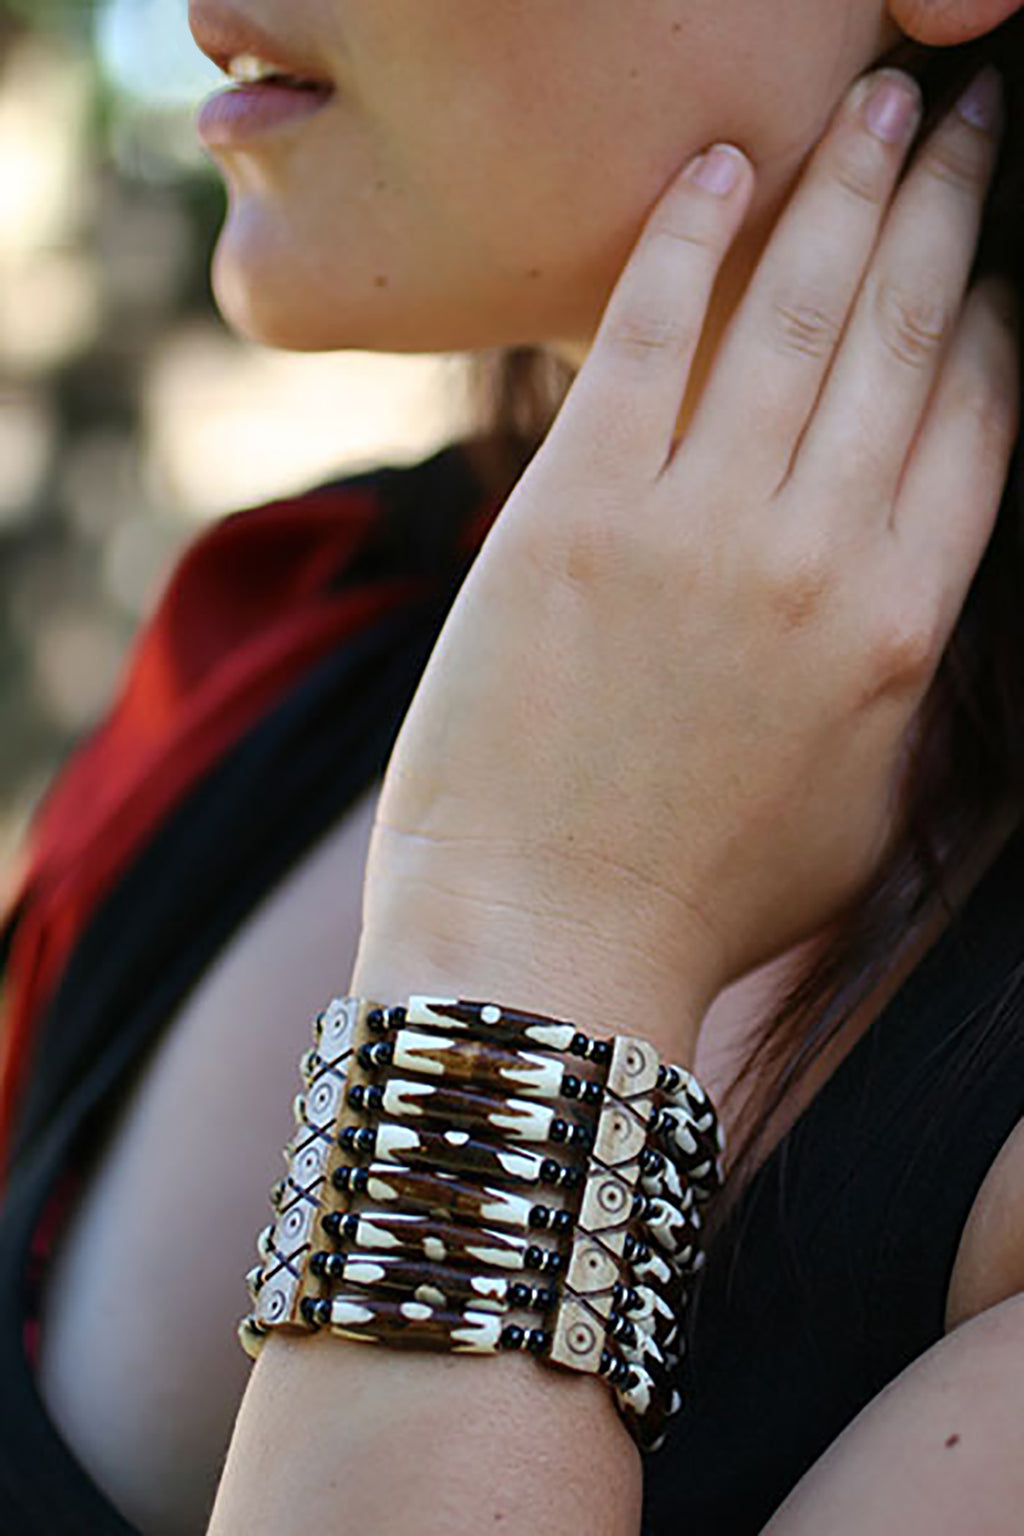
(465, 1176)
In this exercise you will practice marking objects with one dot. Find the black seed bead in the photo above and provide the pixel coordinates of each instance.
(539, 1217)
(651, 1161)
(318, 1264)
(537, 1341)
(398, 1015)
(572, 1178)
(341, 1177)
(547, 1297)
(347, 1226)
(629, 1248)
(366, 1139)
(571, 1086)
(512, 1337)
(625, 1332)
(601, 1052)
(355, 1097)
(607, 1362)
(581, 1137)
(641, 1208)
(550, 1171)
(654, 1121)
(360, 1181)
(376, 1020)
(374, 1097)
(520, 1294)
(556, 1264)
(631, 1379)
(559, 1130)
(331, 1223)
(561, 1221)
(593, 1093)
(534, 1258)
(317, 1312)
(364, 1056)
(335, 1266)
(579, 1045)
(347, 1139)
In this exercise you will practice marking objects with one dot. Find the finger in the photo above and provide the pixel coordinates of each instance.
(954, 481)
(889, 360)
(784, 336)
(623, 404)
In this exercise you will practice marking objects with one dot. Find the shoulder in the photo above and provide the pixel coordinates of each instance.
(989, 1266)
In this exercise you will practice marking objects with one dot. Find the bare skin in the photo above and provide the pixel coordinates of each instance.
(475, 248)
(470, 887)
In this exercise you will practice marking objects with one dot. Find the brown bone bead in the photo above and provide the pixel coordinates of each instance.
(436, 1285)
(458, 1152)
(441, 1103)
(489, 1021)
(442, 1243)
(415, 1325)
(526, 1073)
(448, 1198)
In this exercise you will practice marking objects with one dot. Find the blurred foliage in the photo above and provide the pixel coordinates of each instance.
(105, 245)
(129, 413)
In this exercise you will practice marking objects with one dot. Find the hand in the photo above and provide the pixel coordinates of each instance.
(663, 726)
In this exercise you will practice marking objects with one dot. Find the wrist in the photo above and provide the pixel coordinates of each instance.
(606, 968)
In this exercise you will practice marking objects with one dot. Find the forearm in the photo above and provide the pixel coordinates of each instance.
(336, 1437)
(340, 1438)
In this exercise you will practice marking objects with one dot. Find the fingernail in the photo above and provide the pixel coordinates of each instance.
(892, 109)
(718, 171)
(981, 104)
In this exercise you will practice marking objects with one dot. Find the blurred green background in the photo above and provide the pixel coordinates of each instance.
(129, 415)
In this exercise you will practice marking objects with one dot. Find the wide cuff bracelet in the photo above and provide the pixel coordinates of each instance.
(465, 1176)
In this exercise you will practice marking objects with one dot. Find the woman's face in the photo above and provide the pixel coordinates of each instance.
(485, 166)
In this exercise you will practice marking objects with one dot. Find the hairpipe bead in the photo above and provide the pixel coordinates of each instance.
(440, 1104)
(492, 1022)
(459, 1152)
(443, 1196)
(439, 1242)
(415, 1325)
(526, 1073)
(444, 1287)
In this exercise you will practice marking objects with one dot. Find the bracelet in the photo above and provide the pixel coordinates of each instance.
(469, 1177)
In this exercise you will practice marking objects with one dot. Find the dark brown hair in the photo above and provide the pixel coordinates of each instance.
(968, 765)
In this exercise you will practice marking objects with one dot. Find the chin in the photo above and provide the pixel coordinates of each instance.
(273, 291)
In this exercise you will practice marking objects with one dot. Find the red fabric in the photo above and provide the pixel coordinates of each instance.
(246, 612)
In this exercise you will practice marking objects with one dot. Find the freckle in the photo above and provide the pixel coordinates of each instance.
(677, 27)
(533, 273)
(634, 74)
(953, 1440)
(380, 186)
(380, 281)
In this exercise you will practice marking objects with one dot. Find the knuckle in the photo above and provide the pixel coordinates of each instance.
(797, 582)
(913, 324)
(904, 647)
(646, 334)
(858, 174)
(804, 327)
(956, 160)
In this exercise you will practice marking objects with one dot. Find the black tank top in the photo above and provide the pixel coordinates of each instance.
(831, 1275)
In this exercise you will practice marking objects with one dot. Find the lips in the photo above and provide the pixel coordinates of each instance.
(223, 34)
